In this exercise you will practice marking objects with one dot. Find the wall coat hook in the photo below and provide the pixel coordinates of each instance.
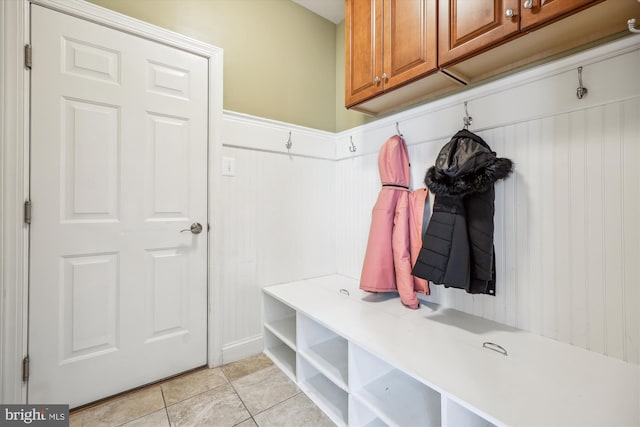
(467, 119)
(289, 143)
(398, 130)
(352, 147)
(581, 90)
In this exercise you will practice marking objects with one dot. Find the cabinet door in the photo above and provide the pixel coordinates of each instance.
(536, 12)
(410, 49)
(470, 26)
(363, 50)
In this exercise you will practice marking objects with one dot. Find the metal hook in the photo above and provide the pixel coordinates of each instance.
(289, 143)
(581, 90)
(467, 119)
(352, 148)
(631, 23)
(398, 130)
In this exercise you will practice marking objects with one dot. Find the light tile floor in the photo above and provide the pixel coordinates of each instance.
(248, 393)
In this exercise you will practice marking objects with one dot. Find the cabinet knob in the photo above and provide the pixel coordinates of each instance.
(376, 80)
(384, 76)
(509, 13)
(528, 4)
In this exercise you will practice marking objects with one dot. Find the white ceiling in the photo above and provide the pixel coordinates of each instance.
(333, 10)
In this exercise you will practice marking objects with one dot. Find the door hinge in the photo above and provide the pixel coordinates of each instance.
(27, 56)
(25, 369)
(27, 212)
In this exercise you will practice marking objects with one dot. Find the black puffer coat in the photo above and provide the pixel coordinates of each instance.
(457, 248)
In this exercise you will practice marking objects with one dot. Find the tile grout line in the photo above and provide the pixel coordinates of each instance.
(279, 403)
(201, 392)
(146, 415)
(239, 398)
(166, 409)
(225, 375)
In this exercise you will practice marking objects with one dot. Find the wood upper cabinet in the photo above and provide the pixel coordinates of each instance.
(402, 52)
(387, 43)
(470, 26)
(467, 27)
(536, 12)
(410, 35)
(363, 50)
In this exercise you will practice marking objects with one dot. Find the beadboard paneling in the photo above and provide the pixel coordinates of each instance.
(566, 232)
(279, 224)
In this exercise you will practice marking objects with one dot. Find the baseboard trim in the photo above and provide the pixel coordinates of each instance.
(242, 349)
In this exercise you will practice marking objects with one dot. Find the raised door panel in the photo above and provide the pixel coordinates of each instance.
(409, 40)
(467, 27)
(363, 50)
(542, 11)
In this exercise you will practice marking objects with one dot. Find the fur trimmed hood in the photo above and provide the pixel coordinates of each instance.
(466, 165)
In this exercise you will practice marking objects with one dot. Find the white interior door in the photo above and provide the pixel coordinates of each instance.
(118, 294)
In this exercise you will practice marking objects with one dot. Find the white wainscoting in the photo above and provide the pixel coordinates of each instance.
(278, 219)
(567, 230)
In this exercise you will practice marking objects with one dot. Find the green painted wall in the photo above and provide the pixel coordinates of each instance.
(279, 58)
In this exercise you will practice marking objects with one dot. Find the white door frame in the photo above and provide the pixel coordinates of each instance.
(14, 175)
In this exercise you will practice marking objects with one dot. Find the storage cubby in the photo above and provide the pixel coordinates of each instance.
(280, 320)
(367, 362)
(323, 349)
(280, 335)
(280, 353)
(454, 415)
(333, 400)
(361, 416)
(396, 398)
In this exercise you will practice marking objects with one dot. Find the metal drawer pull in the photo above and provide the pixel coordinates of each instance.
(495, 347)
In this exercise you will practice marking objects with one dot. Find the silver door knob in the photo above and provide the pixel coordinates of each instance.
(196, 228)
(528, 4)
(384, 76)
(376, 80)
(509, 13)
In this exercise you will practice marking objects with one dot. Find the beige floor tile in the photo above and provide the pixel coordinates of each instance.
(205, 398)
(297, 411)
(247, 366)
(189, 385)
(220, 407)
(123, 409)
(75, 420)
(264, 388)
(156, 419)
(247, 423)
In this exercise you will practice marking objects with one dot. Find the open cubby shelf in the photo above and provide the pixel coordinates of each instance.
(371, 362)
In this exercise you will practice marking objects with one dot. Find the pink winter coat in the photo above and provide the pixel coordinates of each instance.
(388, 259)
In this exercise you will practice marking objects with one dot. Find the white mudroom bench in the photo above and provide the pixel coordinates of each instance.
(366, 360)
